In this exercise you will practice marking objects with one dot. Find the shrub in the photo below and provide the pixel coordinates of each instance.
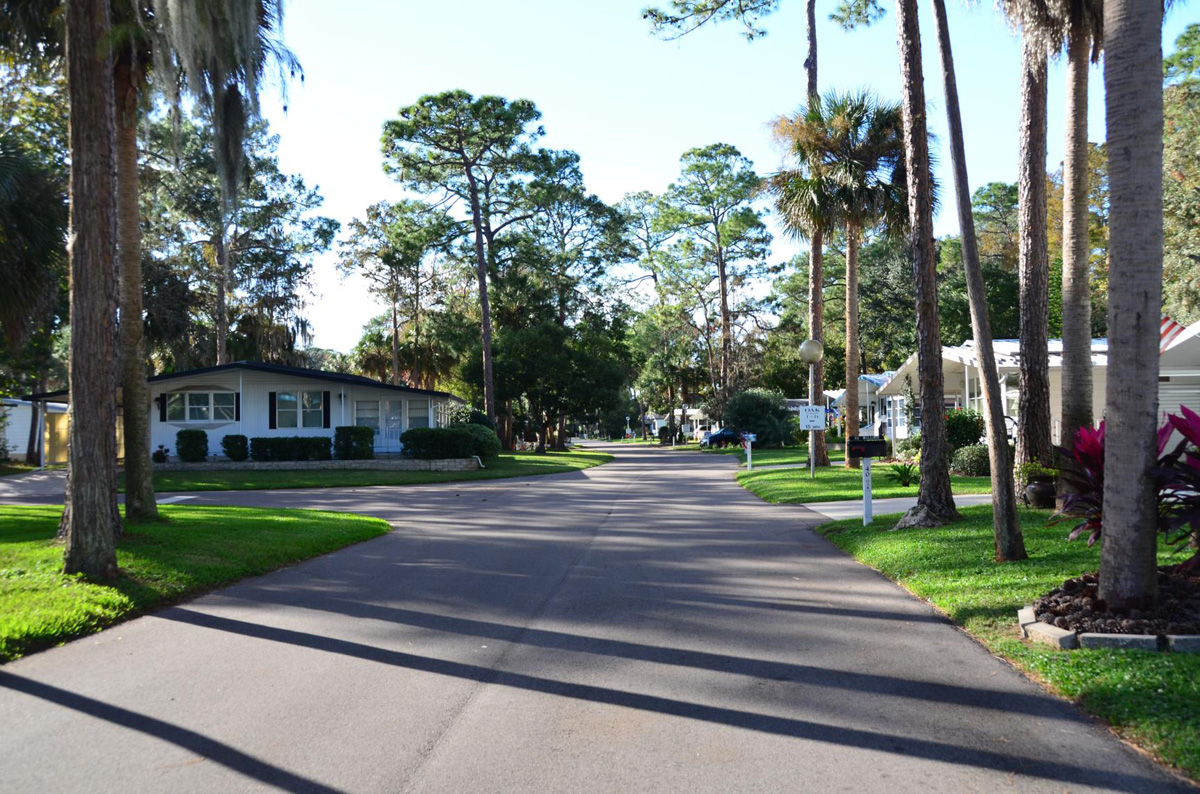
(160, 455)
(762, 412)
(236, 447)
(664, 435)
(964, 428)
(463, 414)
(905, 474)
(1178, 480)
(291, 448)
(972, 461)
(438, 442)
(487, 443)
(191, 445)
(351, 442)
(908, 448)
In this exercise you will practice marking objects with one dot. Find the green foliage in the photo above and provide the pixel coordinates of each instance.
(964, 428)
(837, 483)
(351, 442)
(438, 442)
(191, 446)
(464, 414)
(762, 412)
(909, 448)
(904, 474)
(1032, 469)
(972, 460)
(236, 447)
(486, 442)
(1181, 180)
(195, 550)
(279, 448)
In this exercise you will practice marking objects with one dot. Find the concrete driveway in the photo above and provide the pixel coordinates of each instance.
(642, 626)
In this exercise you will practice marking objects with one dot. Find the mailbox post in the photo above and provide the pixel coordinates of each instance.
(866, 447)
(811, 353)
(748, 440)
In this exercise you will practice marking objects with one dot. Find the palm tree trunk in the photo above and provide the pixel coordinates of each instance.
(90, 516)
(1133, 99)
(852, 235)
(935, 501)
(1033, 408)
(135, 395)
(1076, 286)
(810, 62)
(1010, 543)
(816, 330)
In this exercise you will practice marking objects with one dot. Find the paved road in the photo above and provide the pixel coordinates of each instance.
(643, 626)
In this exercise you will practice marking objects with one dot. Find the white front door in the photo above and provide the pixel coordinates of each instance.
(393, 426)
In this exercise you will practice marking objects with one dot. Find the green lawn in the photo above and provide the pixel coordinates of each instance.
(837, 483)
(9, 467)
(1152, 699)
(194, 550)
(509, 464)
(778, 456)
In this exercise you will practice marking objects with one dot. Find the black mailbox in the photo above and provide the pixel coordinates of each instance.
(866, 447)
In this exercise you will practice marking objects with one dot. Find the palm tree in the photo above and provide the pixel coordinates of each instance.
(1010, 544)
(935, 501)
(1133, 104)
(806, 199)
(1040, 26)
(858, 141)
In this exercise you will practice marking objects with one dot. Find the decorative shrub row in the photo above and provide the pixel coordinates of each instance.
(236, 447)
(291, 448)
(191, 445)
(457, 441)
(463, 414)
(354, 443)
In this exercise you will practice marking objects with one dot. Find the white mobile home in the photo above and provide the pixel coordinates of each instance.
(267, 400)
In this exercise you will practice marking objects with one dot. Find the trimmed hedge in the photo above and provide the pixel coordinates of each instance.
(191, 446)
(463, 414)
(487, 443)
(236, 447)
(291, 448)
(438, 442)
(351, 442)
(972, 460)
(964, 428)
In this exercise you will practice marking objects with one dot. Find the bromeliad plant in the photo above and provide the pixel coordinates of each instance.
(1178, 478)
(1084, 478)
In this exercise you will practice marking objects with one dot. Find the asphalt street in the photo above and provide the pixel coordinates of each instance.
(646, 625)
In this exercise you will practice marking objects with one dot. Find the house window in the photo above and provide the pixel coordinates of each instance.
(366, 414)
(418, 413)
(201, 406)
(300, 409)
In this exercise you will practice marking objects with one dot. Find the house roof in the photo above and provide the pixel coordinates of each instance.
(274, 369)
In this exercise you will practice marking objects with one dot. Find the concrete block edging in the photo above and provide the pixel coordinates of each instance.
(1065, 639)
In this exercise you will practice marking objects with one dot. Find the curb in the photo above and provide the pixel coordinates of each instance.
(1065, 639)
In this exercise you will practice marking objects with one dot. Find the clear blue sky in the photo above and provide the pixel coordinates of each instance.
(627, 102)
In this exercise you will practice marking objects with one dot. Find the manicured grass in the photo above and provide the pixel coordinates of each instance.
(14, 468)
(1153, 699)
(780, 456)
(193, 550)
(837, 483)
(509, 464)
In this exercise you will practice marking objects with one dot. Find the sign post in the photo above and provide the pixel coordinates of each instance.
(748, 440)
(812, 418)
(866, 447)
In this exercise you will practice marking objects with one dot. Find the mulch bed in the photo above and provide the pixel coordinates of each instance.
(1075, 606)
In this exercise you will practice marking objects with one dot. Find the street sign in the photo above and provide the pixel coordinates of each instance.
(812, 417)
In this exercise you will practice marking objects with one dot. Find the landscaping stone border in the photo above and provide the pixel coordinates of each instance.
(1065, 639)
(376, 464)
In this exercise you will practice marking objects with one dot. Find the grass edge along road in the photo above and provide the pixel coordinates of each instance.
(194, 550)
(506, 465)
(839, 484)
(1151, 699)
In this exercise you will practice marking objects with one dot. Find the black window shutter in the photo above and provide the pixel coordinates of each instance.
(237, 406)
(162, 407)
(271, 410)
(325, 405)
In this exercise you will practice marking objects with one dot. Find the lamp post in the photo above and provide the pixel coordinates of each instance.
(811, 353)
(683, 421)
(627, 433)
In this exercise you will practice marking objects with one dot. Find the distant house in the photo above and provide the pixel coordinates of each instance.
(1178, 383)
(253, 399)
(22, 416)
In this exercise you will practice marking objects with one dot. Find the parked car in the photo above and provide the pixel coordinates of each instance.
(722, 438)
